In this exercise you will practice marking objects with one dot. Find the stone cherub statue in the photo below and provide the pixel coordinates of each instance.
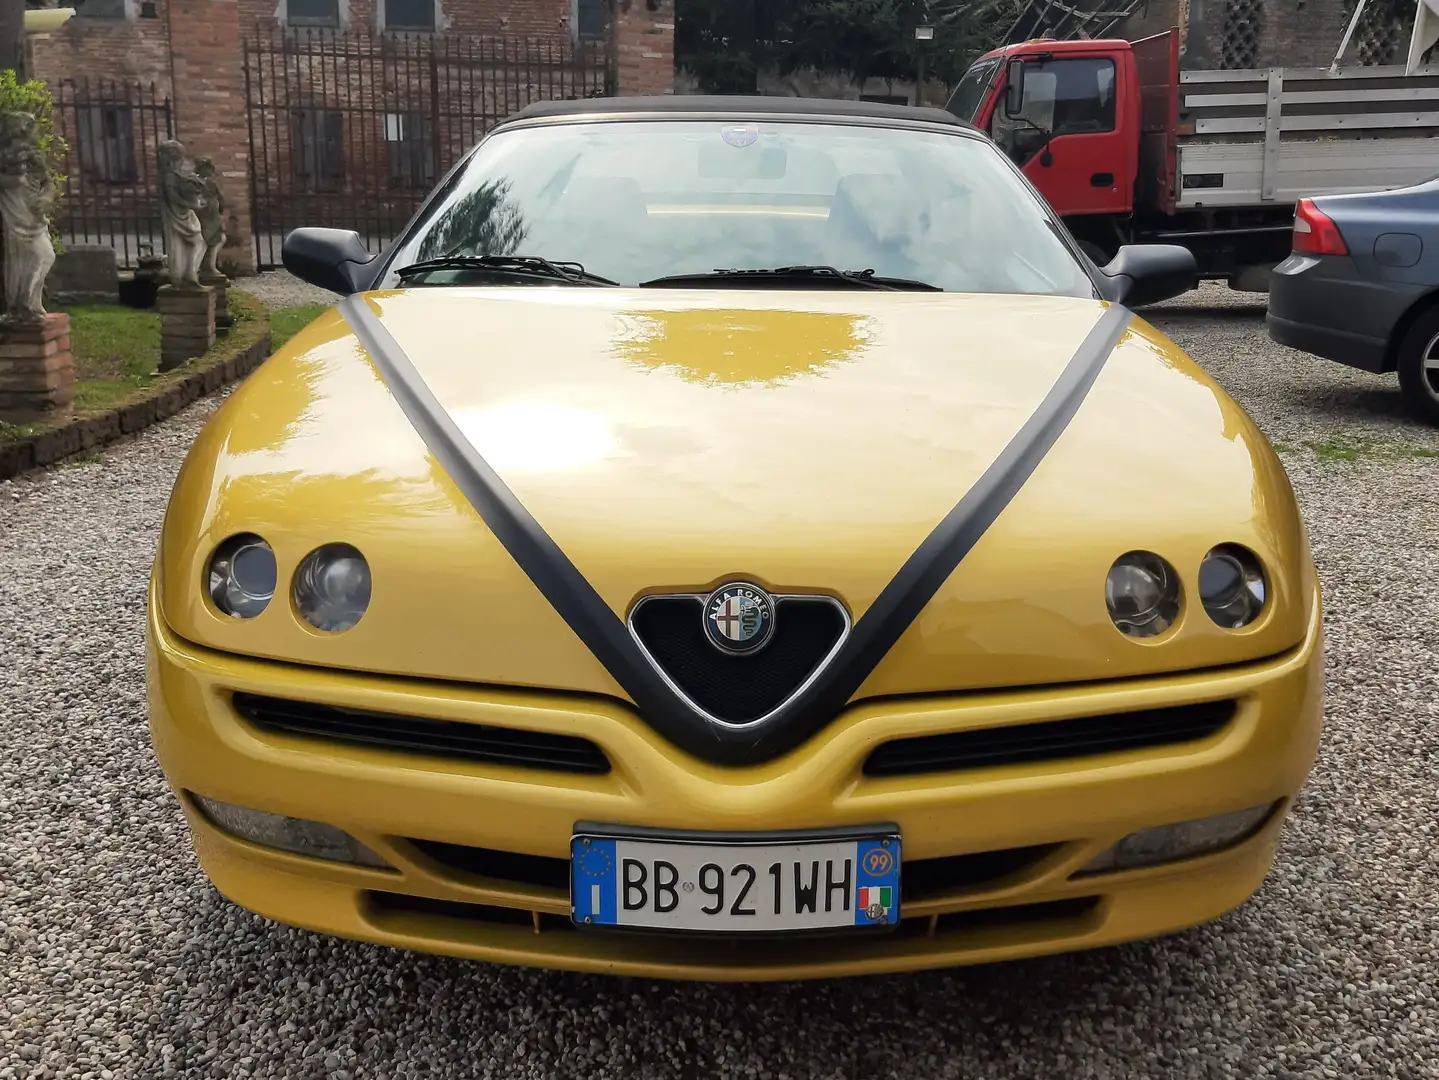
(182, 196)
(27, 193)
(212, 217)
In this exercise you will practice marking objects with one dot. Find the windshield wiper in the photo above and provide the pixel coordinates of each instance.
(864, 279)
(526, 267)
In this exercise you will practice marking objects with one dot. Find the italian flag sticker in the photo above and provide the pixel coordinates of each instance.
(869, 897)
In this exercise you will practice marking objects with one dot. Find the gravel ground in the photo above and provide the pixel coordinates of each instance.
(119, 961)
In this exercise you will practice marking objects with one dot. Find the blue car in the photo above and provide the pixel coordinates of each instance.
(1361, 286)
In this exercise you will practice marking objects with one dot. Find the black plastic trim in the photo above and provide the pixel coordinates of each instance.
(516, 747)
(606, 635)
(1050, 740)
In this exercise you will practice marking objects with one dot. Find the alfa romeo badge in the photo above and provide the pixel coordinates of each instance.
(739, 618)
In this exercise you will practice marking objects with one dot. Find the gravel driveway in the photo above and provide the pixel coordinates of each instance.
(117, 960)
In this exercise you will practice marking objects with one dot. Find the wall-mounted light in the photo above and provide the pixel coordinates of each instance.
(40, 20)
(924, 33)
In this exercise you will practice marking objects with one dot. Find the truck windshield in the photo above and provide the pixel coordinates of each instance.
(637, 200)
(970, 92)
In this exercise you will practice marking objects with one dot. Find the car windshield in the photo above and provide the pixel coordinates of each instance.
(970, 92)
(632, 201)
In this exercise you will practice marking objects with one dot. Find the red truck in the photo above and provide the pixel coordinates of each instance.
(1127, 148)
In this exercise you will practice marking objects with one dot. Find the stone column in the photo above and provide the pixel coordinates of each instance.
(644, 42)
(187, 324)
(219, 284)
(209, 80)
(37, 377)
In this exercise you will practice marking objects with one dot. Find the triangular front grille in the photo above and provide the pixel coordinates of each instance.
(738, 689)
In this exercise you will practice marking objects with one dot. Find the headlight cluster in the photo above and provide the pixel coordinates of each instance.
(1143, 592)
(330, 589)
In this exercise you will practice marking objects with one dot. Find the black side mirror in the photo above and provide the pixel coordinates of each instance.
(1014, 88)
(334, 259)
(1148, 273)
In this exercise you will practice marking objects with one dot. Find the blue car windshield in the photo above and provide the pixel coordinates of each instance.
(636, 200)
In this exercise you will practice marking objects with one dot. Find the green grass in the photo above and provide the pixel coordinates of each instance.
(286, 322)
(114, 349)
(1349, 448)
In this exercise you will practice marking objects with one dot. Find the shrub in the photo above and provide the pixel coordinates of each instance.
(34, 98)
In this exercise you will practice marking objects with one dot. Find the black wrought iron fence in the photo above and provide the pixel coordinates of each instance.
(112, 130)
(351, 130)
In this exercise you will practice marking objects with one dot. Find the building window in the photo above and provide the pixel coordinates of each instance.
(410, 15)
(410, 142)
(105, 142)
(313, 13)
(590, 19)
(317, 149)
(101, 9)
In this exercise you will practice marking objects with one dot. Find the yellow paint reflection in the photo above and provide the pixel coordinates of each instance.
(537, 435)
(742, 346)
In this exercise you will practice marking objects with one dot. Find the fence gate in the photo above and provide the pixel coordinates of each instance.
(111, 130)
(351, 130)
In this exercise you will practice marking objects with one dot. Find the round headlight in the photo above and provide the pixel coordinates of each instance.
(1231, 586)
(1142, 593)
(332, 587)
(241, 577)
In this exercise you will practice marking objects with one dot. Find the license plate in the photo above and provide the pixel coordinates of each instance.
(725, 883)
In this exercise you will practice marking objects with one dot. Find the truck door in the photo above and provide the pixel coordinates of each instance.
(1066, 138)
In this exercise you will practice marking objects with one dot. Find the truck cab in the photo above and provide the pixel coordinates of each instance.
(1069, 114)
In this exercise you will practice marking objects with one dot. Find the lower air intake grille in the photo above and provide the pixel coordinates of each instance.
(737, 689)
(1055, 740)
(421, 735)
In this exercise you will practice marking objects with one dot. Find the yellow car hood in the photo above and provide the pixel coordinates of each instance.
(673, 440)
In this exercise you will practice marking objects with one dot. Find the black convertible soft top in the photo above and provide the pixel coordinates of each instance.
(735, 105)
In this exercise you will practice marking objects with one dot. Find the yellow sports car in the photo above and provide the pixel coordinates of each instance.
(616, 581)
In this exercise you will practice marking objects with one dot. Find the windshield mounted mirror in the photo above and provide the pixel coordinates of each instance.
(1014, 88)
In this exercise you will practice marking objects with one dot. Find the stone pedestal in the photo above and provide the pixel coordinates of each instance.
(187, 324)
(37, 378)
(220, 284)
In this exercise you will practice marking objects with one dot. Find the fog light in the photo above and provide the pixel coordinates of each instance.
(312, 838)
(1184, 840)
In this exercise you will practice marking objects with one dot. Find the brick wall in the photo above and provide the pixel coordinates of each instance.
(209, 107)
(133, 47)
(195, 53)
(1290, 36)
(509, 18)
(644, 41)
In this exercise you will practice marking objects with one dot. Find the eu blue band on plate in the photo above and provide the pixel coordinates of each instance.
(594, 892)
(876, 883)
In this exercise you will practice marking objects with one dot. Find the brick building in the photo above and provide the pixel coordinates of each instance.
(347, 109)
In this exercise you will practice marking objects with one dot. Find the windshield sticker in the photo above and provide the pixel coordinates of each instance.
(740, 135)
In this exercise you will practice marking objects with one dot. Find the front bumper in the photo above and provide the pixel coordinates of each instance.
(1028, 827)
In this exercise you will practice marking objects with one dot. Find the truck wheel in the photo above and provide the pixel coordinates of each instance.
(1419, 367)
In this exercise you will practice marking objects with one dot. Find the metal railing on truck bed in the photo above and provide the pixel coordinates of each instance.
(1272, 136)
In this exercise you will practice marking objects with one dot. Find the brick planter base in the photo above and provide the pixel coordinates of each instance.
(221, 286)
(187, 324)
(37, 378)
